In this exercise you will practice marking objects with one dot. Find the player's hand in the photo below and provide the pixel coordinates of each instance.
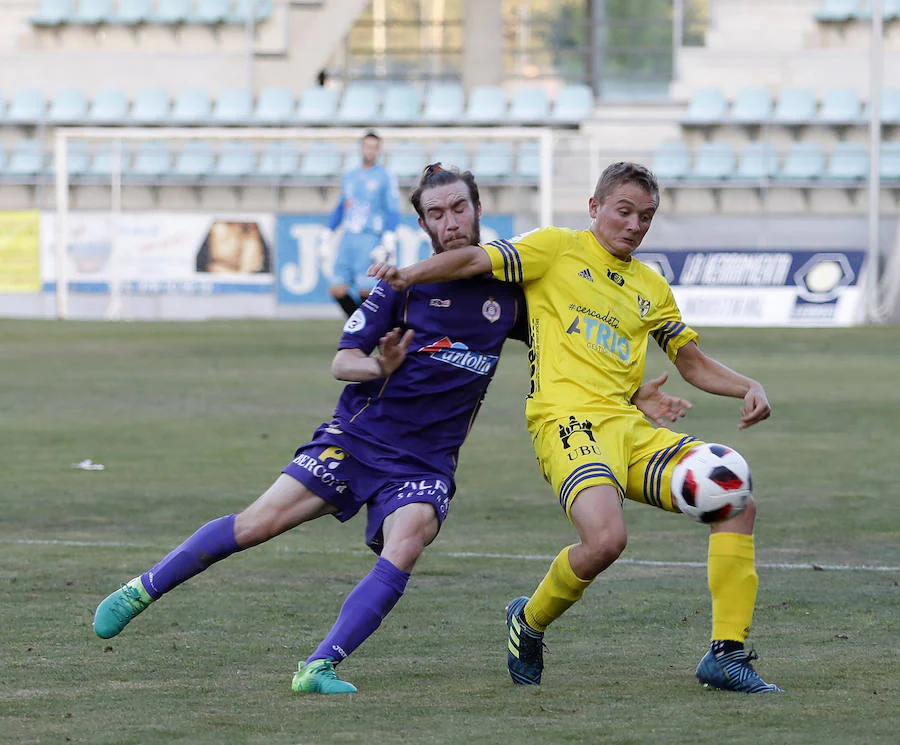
(394, 276)
(658, 406)
(756, 407)
(392, 349)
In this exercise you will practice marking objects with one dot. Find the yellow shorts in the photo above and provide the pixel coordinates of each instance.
(620, 448)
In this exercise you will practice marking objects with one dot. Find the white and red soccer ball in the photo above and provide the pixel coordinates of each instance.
(711, 483)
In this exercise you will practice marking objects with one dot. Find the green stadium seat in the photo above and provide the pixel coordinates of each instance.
(805, 161)
(848, 161)
(210, 12)
(714, 161)
(196, 160)
(28, 106)
(275, 107)
(321, 161)
(402, 105)
(151, 160)
(707, 106)
(26, 160)
(191, 106)
(259, 10)
(889, 163)
(528, 162)
(840, 106)
(110, 106)
(151, 106)
(838, 11)
(451, 153)
(232, 106)
(359, 104)
(751, 106)
(574, 103)
(529, 105)
(280, 160)
(132, 13)
(317, 106)
(171, 12)
(69, 106)
(236, 159)
(53, 13)
(93, 12)
(672, 161)
(444, 104)
(494, 161)
(487, 105)
(406, 160)
(795, 107)
(758, 161)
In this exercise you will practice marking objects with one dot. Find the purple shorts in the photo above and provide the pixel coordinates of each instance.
(348, 472)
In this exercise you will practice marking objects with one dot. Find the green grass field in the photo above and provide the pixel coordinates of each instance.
(193, 420)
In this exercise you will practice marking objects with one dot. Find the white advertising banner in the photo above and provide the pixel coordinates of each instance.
(166, 253)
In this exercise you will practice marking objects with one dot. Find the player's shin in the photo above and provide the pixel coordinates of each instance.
(733, 584)
(558, 591)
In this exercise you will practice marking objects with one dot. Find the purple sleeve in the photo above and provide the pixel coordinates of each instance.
(379, 313)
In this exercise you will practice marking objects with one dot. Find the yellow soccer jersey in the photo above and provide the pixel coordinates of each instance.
(590, 316)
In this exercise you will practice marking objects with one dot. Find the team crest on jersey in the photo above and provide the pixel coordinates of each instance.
(586, 274)
(491, 310)
(567, 431)
(643, 306)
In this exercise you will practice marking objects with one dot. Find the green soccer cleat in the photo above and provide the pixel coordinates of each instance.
(114, 613)
(732, 671)
(524, 646)
(319, 677)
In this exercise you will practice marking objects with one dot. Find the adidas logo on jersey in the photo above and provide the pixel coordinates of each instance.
(586, 274)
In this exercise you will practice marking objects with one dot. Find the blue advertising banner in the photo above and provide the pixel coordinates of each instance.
(300, 276)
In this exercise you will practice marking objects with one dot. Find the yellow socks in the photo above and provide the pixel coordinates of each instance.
(558, 591)
(732, 583)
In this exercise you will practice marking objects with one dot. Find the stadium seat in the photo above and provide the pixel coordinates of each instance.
(2, 107)
(487, 105)
(78, 159)
(848, 161)
(192, 106)
(494, 160)
(359, 104)
(758, 161)
(93, 12)
(528, 162)
(210, 12)
(317, 106)
(402, 105)
(672, 161)
(840, 106)
(707, 106)
(103, 160)
(52, 13)
(451, 153)
(236, 159)
(714, 161)
(171, 12)
(406, 160)
(890, 10)
(132, 13)
(529, 105)
(805, 161)
(444, 104)
(751, 106)
(69, 106)
(27, 106)
(890, 106)
(279, 160)
(110, 106)
(574, 103)
(795, 107)
(889, 163)
(150, 106)
(275, 106)
(260, 10)
(838, 10)
(151, 159)
(195, 160)
(232, 106)
(321, 160)
(26, 159)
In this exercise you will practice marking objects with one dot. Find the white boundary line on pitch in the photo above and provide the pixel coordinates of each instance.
(472, 555)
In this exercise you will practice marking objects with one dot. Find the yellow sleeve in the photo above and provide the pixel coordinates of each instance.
(525, 257)
(669, 331)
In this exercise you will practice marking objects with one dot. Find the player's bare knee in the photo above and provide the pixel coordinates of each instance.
(605, 546)
(742, 523)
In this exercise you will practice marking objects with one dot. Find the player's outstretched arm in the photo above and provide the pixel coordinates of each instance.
(355, 366)
(711, 376)
(457, 263)
(658, 406)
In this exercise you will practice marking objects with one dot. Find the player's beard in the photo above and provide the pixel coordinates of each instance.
(475, 238)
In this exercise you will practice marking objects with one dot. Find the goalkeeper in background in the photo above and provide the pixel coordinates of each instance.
(367, 212)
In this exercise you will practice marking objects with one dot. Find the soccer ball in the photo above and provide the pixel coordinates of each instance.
(711, 483)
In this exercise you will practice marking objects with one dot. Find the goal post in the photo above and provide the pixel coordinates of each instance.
(122, 138)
